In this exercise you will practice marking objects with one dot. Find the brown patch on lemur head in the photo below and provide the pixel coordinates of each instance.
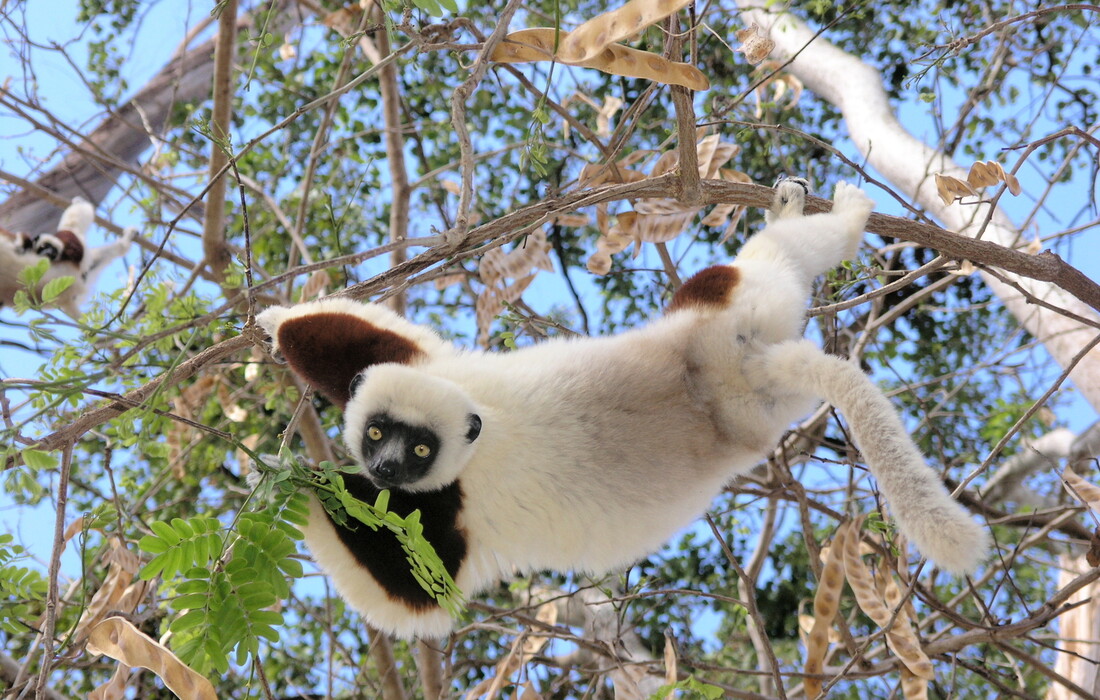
(329, 349)
(711, 286)
(72, 247)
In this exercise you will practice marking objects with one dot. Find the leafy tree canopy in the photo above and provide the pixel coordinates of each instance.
(385, 152)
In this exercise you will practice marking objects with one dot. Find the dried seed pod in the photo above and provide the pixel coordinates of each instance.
(826, 603)
(537, 44)
(984, 174)
(119, 639)
(589, 39)
(951, 188)
(755, 44)
(1081, 489)
(900, 636)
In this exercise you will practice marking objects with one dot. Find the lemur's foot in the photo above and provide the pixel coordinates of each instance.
(789, 199)
(852, 201)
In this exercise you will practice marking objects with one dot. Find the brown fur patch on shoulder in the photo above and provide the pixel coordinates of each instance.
(711, 286)
(328, 349)
(74, 248)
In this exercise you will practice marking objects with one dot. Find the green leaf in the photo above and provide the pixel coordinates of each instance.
(55, 288)
(152, 544)
(183, 528)
(382, 502)
(38, 460)
(190, 601)
(165, 532)
(430, 6)
(31, 275)
(172, 560)
(292, 568)
(188, 620)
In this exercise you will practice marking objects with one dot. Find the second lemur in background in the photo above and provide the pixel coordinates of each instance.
(68, 253)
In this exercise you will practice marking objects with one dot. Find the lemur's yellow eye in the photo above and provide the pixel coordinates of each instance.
(374, 433)
(422, 450)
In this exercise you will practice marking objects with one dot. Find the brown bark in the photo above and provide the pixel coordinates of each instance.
(395, 156)
(214, 247)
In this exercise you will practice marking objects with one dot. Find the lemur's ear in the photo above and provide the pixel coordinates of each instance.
(328, 342)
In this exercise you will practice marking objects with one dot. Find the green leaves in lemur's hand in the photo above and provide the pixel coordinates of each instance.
(425, 565)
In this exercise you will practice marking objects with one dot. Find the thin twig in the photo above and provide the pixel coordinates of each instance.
(748, 587)
(458, 120)
(55, 568)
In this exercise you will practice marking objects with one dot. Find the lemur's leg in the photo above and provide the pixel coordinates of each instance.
(775, 269)
(77, 217)
(816, 243)
(941, 528)
(99, 258)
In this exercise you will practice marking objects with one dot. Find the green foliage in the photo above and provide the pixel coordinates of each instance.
(327, 484)
(224, 582)
(21, 588)
(436, 8)
(37, 459)
(55, 288)
(689, 689)
(29, 278)
(180, 545)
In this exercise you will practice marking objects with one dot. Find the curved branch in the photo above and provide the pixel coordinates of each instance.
(518, 223)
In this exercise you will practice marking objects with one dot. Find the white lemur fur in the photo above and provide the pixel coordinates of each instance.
(589, 453)
(68, 254)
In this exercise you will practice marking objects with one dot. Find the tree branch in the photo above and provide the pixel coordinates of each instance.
(216, 256)
(518, 223)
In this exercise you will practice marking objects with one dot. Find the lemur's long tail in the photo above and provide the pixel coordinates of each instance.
(939, 526)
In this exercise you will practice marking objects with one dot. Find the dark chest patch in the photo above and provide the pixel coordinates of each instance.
(711, 286)
(382, 555)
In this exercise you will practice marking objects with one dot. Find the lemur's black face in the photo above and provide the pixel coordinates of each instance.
(396, 453)
(407, 431)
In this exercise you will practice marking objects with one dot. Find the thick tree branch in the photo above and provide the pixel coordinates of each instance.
(120, 138)
(216, 255)
(1046, 266)
(518, 223)
(395, 157)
